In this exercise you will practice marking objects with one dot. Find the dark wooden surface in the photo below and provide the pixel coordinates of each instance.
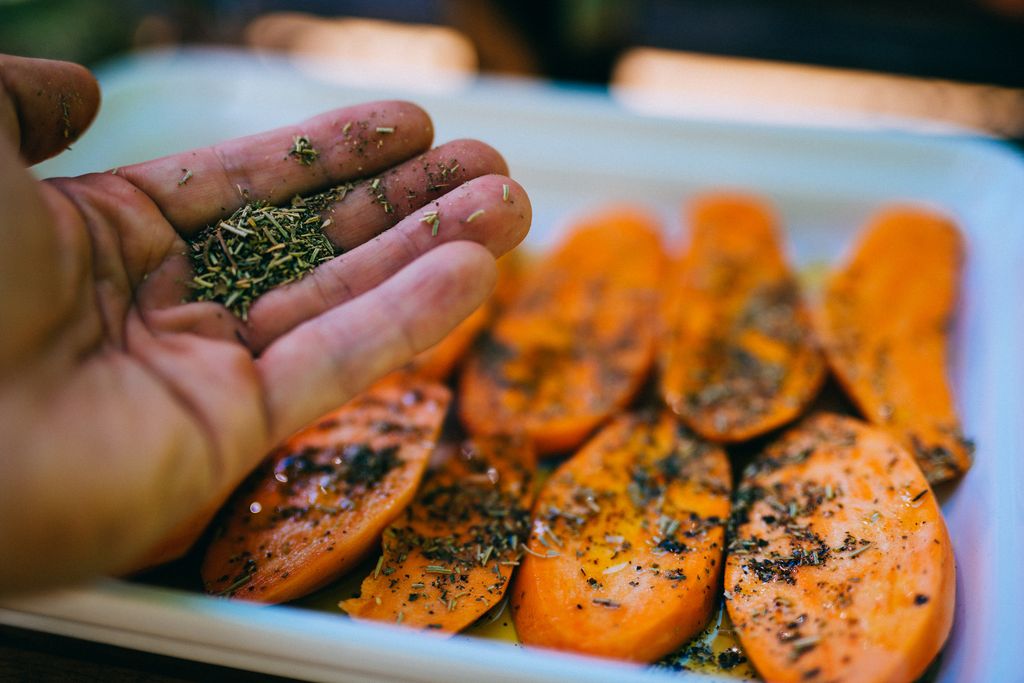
(44, 658)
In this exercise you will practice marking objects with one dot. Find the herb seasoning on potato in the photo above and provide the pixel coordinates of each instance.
(320, 502)
(448, 558)
(886, 318)
(625, 555)
(576, 342)
(738, 358)
(839, 565)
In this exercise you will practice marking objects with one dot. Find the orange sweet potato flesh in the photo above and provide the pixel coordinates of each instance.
(840, 567)
(319, 503)
(625, 556)
(885, 320)
(448, 558)
(576, 343)
(738, 357)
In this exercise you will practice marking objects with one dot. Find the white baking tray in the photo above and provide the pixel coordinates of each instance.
(573, 150)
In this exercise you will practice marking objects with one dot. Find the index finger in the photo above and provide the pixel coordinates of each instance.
(195, 188)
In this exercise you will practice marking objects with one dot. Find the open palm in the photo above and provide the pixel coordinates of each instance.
(125, 412)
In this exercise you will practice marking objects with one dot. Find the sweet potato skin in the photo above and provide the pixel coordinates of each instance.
(576, 343)
(319, 503)
(885, 320)
(738, 356)
(448, 558)
(625, 556)
(840, 567)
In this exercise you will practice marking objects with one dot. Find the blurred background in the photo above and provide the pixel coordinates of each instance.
(952, 62)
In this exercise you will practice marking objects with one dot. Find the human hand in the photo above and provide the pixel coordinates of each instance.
(123, 410)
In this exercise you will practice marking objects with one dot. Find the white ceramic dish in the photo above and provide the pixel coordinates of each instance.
(574, 150)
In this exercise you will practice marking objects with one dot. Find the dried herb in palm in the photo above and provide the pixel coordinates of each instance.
(260, 247)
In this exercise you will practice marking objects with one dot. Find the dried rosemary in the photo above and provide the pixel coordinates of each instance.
(303, 150)
(260, 247)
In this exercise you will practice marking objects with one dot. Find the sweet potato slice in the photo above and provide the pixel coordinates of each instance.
(448, 558)
(576, 343)
(625, 556)
(738, 356)
(839, 567)
(320, 501)
(885, 320)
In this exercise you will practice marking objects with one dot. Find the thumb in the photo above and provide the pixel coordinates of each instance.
(45, 105)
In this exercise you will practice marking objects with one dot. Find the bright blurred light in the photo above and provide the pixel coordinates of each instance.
(364, 52)
(684, 84)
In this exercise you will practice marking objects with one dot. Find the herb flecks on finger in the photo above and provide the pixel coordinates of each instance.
(376, 188)
(433, 219)
(303, 151)
(260, 247)
(65, 117)
(441, 176)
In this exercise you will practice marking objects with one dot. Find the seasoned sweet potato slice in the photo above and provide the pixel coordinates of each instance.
(448, 558)
(885, 321)
(738, 356)
(625, 556)
(320, 501)
(576, 343)
(839, 564)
